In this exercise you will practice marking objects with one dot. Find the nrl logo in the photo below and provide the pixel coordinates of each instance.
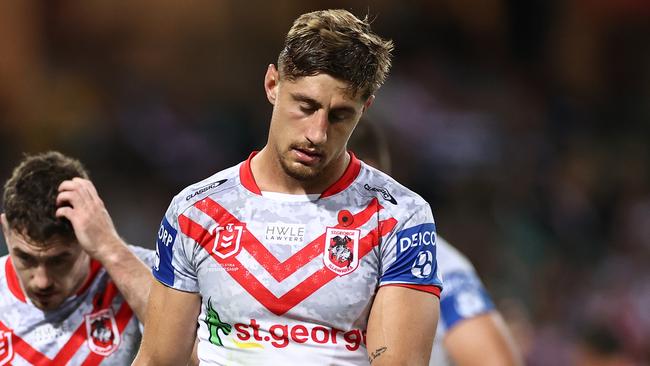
(383, 191)
(227, 240)
(6, 348)
(101, 329)
(341, 252)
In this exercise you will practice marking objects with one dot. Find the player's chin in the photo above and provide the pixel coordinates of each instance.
(301, 172)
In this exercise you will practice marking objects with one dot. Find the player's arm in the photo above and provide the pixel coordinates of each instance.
(482, 340)
(401, 326)
(79, 202)
(170, 330)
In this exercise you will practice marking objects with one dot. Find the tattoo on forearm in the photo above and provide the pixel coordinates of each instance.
(377, 353)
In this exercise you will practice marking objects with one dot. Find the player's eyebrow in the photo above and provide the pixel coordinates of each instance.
(313, 103)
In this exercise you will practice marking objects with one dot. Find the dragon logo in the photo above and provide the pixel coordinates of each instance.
(103, 335)
(215, 325)
(341, 252)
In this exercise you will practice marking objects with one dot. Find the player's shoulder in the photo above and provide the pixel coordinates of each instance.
(391, 194)
(219, 182)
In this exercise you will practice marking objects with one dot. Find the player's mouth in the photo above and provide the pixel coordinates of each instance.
(307, 156)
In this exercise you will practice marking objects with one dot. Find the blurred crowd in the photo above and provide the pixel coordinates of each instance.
(525, 124)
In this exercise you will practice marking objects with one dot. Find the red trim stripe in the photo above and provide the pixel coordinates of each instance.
(12, 281)
(246, 175)
(426, 288)
(350, 174)
(95, 266)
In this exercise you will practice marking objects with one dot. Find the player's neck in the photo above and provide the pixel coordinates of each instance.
(271, 177)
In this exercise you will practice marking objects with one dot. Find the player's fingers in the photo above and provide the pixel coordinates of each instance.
(70, 198)
(68, 185)
(66, 212)
(87, 187)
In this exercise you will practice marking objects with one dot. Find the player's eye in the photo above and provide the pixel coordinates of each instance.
(307, 109)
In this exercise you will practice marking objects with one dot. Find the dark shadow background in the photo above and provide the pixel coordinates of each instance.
(524, 123)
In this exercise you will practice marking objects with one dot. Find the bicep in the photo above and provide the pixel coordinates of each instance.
(394, 310)
(171, 326)
(482, 340)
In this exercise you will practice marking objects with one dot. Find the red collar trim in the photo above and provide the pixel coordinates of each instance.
(246, 175)
(14, 284)
(12, 281)
(350, 174)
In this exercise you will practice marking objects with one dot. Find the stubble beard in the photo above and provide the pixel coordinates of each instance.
(298, 171)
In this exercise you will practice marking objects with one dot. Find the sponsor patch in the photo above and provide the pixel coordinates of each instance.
(162, 267)
(382, 191)
(465, 297)
(415, 261)
(284, 234)
(102, 333)
(341, 254)
(6, 347)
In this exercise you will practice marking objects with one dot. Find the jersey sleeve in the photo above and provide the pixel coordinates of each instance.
(464, 297)
(173, 266)
(408, 256)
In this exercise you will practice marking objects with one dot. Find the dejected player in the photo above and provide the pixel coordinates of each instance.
(72, 291)
(296, 256)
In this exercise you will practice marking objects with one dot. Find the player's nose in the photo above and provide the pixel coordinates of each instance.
(41, 280)
(317, 128)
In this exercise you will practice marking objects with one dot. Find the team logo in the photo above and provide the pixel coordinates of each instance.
(383, 191)
(423, 265)
(6, 348)
(341, 254)
(227, 240)
(103, 335)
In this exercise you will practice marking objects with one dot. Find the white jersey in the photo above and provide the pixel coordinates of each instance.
(289, 280)
(464, 297)
(93, 327)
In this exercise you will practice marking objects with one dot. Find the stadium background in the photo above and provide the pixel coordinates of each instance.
(524, 123)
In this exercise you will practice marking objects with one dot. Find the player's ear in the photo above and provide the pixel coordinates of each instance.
(271, 83)
(368, 102)
(5, 227)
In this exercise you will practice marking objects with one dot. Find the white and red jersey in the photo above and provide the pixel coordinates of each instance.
(93, 327)
(286, 279)
(464, 297)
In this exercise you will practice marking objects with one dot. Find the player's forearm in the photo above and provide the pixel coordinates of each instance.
(131, 276)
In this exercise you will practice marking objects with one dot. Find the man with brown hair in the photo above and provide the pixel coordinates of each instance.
(301, 254)
(71, 288)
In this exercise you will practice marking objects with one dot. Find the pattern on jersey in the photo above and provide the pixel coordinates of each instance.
(278, 270)
(77, 339)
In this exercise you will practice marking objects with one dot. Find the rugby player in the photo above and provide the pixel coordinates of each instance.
(296, 256)
(72, 290)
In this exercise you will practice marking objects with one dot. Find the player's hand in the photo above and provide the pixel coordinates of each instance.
(79, 202)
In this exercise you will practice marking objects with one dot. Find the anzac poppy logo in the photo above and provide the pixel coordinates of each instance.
(341, 254)
(6, 348)
(103, 335)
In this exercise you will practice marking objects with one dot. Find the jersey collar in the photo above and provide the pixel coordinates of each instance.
(14, 284)
(350, 174)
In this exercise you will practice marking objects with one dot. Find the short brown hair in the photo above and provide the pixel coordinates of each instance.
(336, 43)
(30, 196)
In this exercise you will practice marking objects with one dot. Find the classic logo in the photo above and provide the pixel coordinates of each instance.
(383, 191)
(205, 189)
(101, 329)
(227, 240)
(341, 254)
(6, 348)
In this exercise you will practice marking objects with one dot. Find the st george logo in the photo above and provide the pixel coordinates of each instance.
(6, 348)
(102, 332)
(227, 240)
(341, 254)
